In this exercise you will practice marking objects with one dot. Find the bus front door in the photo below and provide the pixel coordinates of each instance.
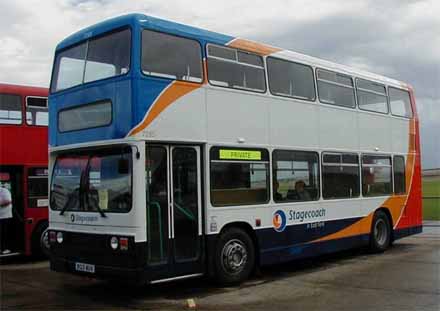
(174, 226)
(11, 179)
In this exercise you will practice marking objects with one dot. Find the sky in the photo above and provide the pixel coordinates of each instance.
(396, 38)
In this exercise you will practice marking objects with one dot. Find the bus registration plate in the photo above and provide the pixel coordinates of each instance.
(84, 267)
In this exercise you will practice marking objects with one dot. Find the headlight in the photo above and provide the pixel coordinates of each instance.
(114, 242)
(60, 237)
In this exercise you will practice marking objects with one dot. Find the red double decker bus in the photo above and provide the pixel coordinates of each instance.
(23, 166)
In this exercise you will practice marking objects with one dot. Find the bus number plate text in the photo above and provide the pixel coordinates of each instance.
(84, 267)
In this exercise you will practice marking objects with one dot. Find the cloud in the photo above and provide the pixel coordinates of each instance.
(397, 38)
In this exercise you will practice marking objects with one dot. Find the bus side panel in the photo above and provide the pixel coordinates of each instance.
(411, 220)
(299, 241)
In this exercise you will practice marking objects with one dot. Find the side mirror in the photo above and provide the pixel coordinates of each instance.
(123, 166)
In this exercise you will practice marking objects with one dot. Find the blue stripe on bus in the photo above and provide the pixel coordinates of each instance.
(291, 243)
(401, 233)
(312, 249)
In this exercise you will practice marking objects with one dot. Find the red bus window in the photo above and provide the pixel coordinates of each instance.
(37, 187)
(36, 111)
(5, 177)
(10, 109)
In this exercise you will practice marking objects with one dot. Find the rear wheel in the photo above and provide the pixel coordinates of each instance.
(380, 236)
(234, 257)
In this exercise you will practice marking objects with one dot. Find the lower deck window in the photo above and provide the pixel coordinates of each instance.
(376, 175)
(296, 176)
(399, 175)
(340, 175)
(239, 176)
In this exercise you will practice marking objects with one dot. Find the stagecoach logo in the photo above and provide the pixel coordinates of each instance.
(82, 219)
(279, 221)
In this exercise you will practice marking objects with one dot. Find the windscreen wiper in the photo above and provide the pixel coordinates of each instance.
(96, 204)
(87, 191)
(69, 202)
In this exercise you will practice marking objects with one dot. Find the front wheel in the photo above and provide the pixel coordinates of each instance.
(380, 236)
(234, 256)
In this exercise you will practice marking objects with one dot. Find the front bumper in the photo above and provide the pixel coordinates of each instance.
(95, 249)
(135, 275)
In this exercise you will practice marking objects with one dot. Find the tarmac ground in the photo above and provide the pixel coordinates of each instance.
(406, 277)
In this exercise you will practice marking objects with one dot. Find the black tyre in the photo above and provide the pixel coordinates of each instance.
(380, 236)
(39, 240)
(234, 256)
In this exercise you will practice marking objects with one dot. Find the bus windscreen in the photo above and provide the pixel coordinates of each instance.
(93, 182)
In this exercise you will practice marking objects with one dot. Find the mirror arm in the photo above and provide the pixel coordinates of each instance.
(138, 154)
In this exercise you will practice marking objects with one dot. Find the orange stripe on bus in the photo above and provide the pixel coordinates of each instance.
(360, 227)
(253, 47)
(176, 90)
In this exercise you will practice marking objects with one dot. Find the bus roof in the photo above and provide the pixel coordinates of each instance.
(23, 89)
(142, 20)
(145, 21)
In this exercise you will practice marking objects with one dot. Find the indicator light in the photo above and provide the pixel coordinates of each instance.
(123, 244)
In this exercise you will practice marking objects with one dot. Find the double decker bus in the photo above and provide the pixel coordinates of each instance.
(23, 166)
(177, 152)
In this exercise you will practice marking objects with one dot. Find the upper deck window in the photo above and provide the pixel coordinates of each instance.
(335, 88)
(290, 79)
(400, 103)
(235, 69)
(36, 111)
(99, 58)
(171, 57)
(372, 96)
(10, 109)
